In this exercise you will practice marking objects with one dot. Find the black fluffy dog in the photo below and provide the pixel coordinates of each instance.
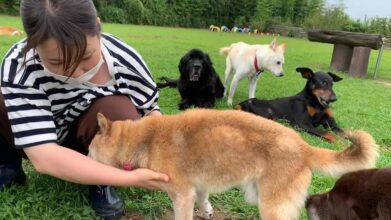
(198, 84)
(306, 110)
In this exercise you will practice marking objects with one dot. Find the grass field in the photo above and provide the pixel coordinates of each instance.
(363, 103)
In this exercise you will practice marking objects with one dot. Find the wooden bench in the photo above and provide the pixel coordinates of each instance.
(351, 50)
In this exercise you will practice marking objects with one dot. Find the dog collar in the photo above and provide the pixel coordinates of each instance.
(127, 166)
(257, 69)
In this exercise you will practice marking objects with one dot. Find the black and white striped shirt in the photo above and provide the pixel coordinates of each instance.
(41, 107)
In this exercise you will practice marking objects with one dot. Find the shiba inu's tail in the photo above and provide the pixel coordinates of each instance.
(225, 50)
(361, 154)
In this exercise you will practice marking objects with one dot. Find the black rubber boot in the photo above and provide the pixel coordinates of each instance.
(106, 203)
(12, 173)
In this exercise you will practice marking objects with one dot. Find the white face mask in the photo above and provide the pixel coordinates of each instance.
(84, 78)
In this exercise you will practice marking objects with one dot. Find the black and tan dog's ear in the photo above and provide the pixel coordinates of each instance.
(306, 72)
(103, 122)
(335, 77)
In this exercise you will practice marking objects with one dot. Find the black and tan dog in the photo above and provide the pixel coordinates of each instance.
(306, 110)
(198, 83)
(205, 151)
(364, 194)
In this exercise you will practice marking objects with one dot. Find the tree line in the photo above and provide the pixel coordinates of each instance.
(257, 14)
(203, 13)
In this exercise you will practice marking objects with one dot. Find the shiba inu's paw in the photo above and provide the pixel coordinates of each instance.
(229, 102)
(206, 214)
(206, 211)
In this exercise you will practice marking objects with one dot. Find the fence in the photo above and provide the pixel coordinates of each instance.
(288, 31)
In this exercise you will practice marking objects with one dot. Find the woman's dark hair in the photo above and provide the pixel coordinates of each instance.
(66, 21)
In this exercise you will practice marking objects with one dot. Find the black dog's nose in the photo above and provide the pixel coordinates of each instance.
(333, 98)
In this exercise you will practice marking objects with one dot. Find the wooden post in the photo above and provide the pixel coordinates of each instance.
(342, 55)
(360, 59)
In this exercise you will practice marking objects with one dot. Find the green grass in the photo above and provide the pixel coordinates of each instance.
(362, 104)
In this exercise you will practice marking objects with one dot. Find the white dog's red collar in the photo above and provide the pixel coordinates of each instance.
(257, 69)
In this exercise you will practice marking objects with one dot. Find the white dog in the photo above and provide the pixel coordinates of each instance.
(251, 60)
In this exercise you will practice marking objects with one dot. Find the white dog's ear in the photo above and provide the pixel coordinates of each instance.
(103, 122)
(273, 44)
(282, 47)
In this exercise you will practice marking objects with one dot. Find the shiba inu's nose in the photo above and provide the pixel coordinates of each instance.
(281, 74)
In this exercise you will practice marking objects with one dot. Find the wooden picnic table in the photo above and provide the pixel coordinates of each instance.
(351, 50)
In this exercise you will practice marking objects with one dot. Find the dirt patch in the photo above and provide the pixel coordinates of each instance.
(218, 215)
(386, 83)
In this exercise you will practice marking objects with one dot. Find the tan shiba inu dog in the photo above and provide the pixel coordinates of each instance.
(206, 151)
(9, 31)
(245, 60)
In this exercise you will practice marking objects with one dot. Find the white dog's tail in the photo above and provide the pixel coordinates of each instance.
(362, 154)
(225, 50)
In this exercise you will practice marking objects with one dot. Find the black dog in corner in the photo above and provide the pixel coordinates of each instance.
(363, 194)
(198, 84)
(306, 110)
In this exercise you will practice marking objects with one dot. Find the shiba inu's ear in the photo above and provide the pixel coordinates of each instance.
(103, 122)
(335, 77)
(273, 44)
(306, 73)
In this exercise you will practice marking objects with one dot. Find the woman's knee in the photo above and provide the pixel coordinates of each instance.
(118, 107)
(5, 125)
(8, 153)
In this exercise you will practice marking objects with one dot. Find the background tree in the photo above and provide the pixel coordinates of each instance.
(331, 17)
(260, 14)
(10, 7)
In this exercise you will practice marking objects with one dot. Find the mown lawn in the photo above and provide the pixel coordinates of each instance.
(362, 104)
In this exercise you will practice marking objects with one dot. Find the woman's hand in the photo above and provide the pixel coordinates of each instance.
(155, 113)
(149, 179)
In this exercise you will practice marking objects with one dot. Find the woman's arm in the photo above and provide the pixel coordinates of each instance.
(72, 166)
